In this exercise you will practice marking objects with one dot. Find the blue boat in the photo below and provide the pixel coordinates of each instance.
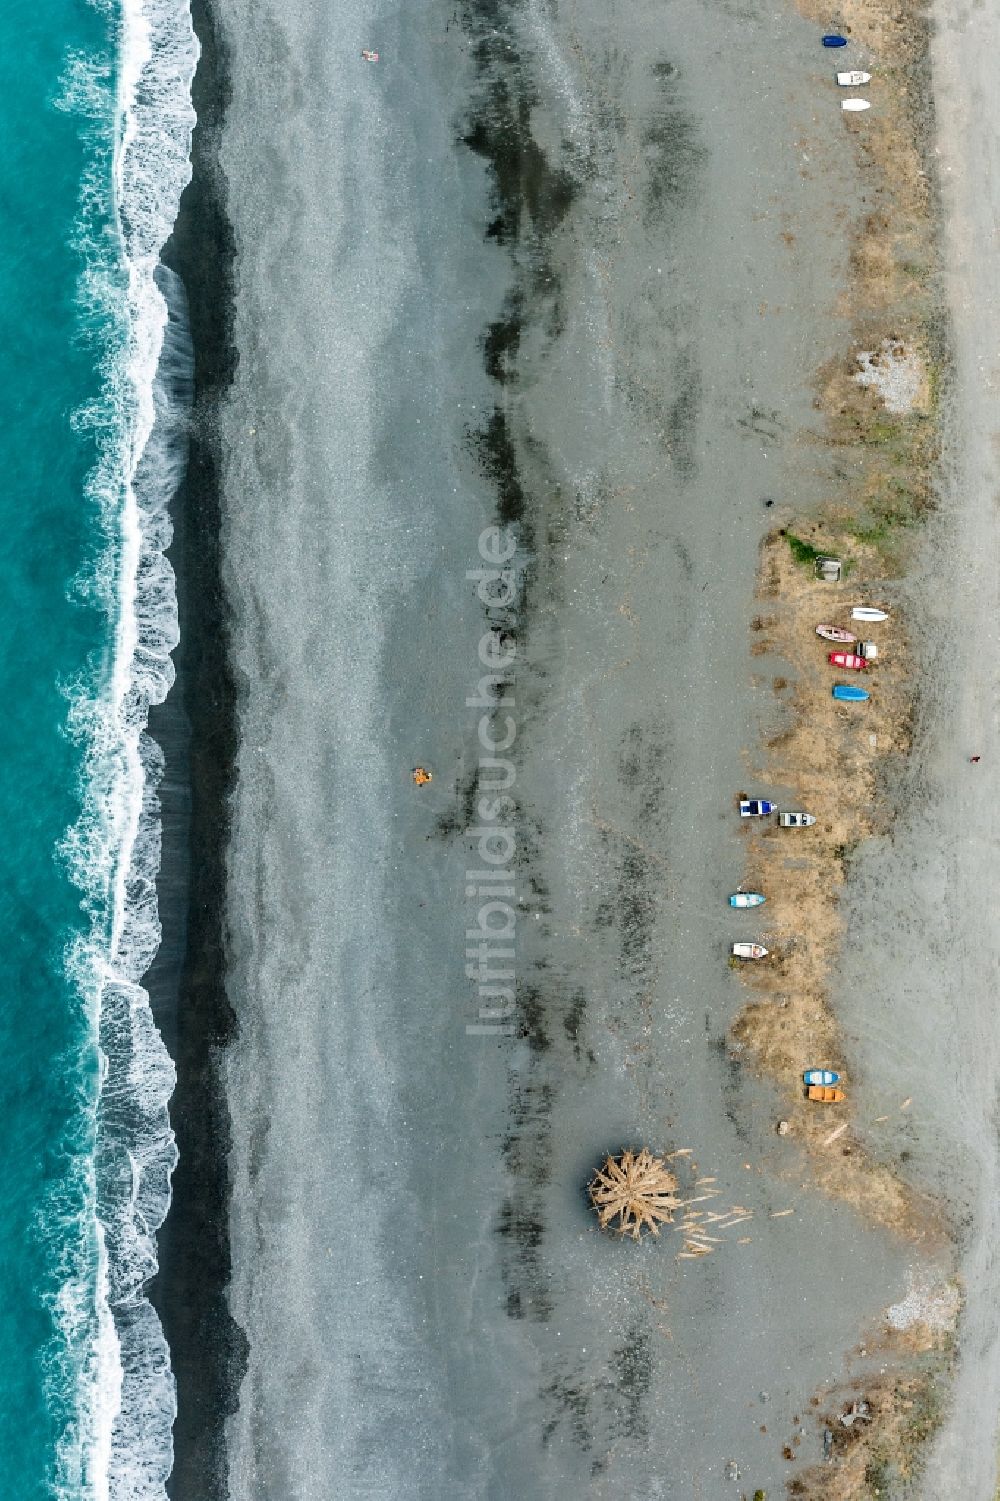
(747, 899)
(820, 1076)
(834, 41)
(755, 807)
(850, 694)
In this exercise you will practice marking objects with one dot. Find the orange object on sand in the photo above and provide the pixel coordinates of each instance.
(421, 776)
(826, 1094)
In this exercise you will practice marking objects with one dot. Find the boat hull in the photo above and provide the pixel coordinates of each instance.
(756, 807)
(835, 633)
(824, 1094)
(820, 1076)
(747, 899)
(848, 659)
(749, 951)
(868, 612)
(847, 693)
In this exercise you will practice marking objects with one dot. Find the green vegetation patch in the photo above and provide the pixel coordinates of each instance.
(803, 552)
(808, 556)
(878, 1477)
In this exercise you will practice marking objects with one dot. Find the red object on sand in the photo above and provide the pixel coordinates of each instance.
(848, 659)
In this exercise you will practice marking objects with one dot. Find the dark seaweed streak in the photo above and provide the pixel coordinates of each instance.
(530, 197)
(208, 1350)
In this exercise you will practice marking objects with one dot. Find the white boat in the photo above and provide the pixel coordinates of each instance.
(868, 612)
(747, 899)
(796, 820)
(749, 950)
(855, 104)
(852, 79)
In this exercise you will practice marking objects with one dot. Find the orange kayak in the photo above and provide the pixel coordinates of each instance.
(826, 1094)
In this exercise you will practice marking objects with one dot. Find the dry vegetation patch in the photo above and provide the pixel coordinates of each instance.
(877, 403)
(879, 406)
(827, 751)
(875, 1426)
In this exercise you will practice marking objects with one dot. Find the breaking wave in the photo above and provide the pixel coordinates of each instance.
(134, 310)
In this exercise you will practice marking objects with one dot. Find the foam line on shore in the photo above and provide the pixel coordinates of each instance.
(127, 1402)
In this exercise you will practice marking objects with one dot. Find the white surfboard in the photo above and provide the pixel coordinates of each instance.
(855, 104)
(851, 80)
(869, 612)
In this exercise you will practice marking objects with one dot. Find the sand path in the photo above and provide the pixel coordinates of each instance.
(951, 1008)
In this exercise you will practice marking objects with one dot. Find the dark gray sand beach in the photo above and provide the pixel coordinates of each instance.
(527, 317)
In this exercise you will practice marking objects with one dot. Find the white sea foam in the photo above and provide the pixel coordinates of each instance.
(122, 1450)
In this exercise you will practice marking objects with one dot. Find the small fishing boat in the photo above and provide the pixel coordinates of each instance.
(368, 55)
(848, 659)
(834, 40)
(854, 105)
(825, 1094)
(755, 807)
(749, 951)
(834, 633)
(849, 694)
(868, 612)
(820, 1076)
(796, 820)
(853, 79)
(747, 899)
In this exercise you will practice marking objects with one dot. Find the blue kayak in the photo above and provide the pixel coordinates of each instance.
(850, 694)
(835, 41)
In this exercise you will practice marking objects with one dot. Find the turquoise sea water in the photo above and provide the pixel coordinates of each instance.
(94, 111)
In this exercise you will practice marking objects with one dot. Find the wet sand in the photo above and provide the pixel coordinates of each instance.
(521, 272)
(195, 728)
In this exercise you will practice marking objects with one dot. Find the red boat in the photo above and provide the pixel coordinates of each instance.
(848, 659)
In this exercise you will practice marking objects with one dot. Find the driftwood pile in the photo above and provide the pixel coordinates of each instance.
(636, 1189)
(635, 1192)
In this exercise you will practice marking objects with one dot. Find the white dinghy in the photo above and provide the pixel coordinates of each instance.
(749, 951)
(869, 612)
(852, 79)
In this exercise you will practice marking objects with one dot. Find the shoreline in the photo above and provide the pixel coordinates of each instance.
(196, 729)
